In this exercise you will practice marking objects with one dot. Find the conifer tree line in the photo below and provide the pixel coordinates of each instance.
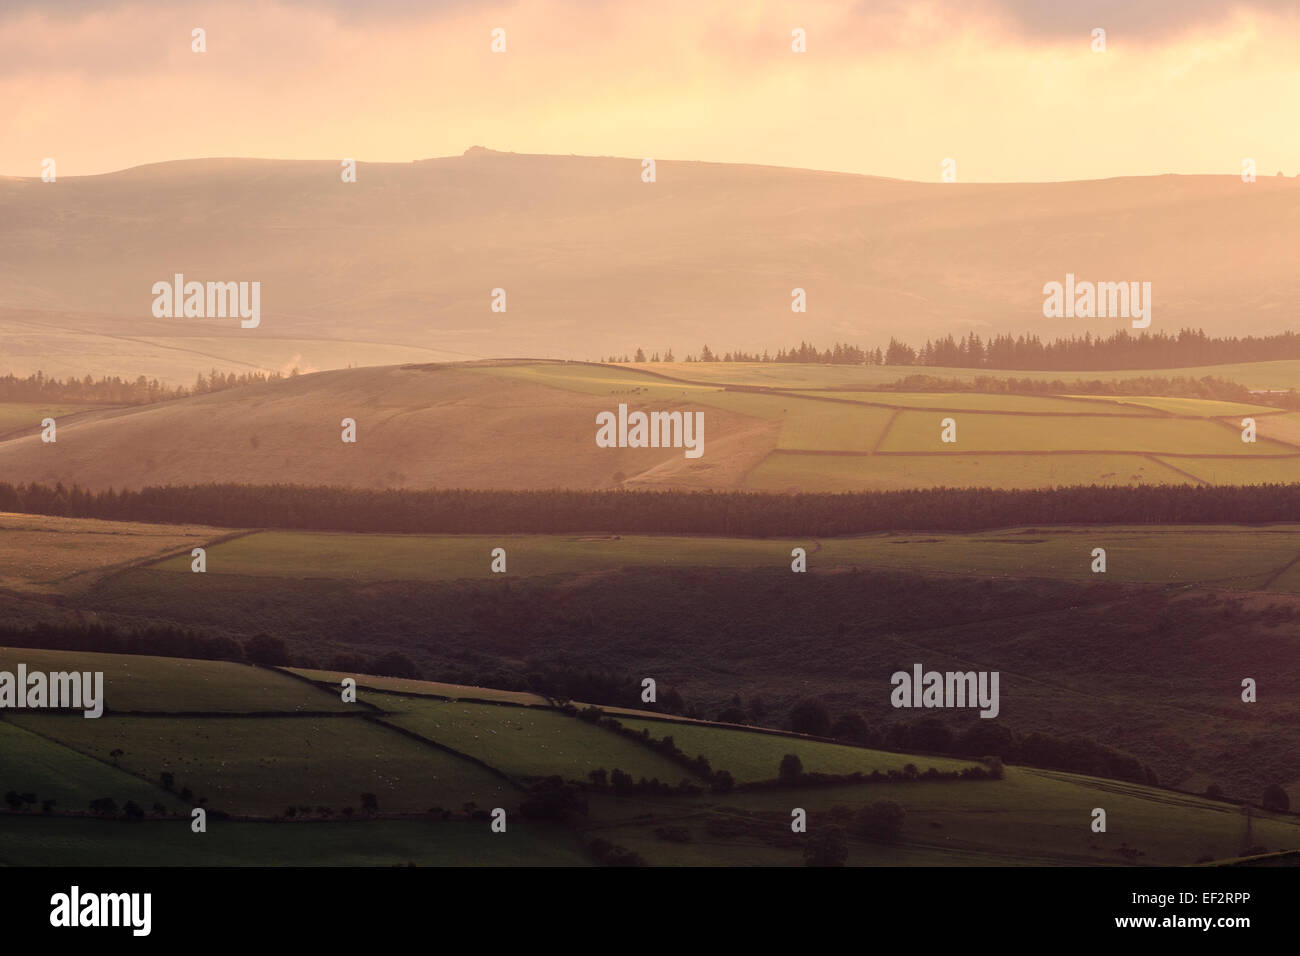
(115, 390)
(733, 513)
(1120, 350)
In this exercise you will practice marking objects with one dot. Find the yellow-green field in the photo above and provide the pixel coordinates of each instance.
(809, 473)
(975, 433)
(1058, 440)
(1282, 374)
(14, 415)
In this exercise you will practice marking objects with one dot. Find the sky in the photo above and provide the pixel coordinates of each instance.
(1009, 90)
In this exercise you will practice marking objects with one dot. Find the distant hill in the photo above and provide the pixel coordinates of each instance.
(594, 260)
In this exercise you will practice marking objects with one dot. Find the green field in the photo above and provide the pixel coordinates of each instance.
(753, 756)
(261, 765)
(30, 763)
(527, 741)
(175, 685)
(381, 557)
(1174, 554)
(62, 841)
(403, 685)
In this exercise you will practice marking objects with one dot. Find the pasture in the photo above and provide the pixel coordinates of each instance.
(527, 741)
(1219, 555)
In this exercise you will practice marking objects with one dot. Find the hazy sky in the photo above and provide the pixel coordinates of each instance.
(1009, 89)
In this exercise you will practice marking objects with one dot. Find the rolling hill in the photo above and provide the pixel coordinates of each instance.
(400, 266)
(434, 767)
(518, 424)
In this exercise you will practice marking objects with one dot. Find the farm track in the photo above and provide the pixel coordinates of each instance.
(101, 574)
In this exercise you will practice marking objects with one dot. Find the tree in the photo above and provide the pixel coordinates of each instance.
(14, 799)
(370, 803)
(724, 782)
(791, 769)
(133, 811)
(640, 355)
(882, 821)
(105, 806)
(1275, 798)
(826, 846)
(853, 728)
(810, 716)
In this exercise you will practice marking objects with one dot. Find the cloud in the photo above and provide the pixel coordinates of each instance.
(341, 9)
(1148, 19)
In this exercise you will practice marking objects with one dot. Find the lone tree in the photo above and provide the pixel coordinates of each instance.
(370, 803)
(791, 769)
(1275, 798)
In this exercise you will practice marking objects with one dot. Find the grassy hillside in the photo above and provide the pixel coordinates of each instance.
(429, 798)
(532, 425)
(1225, 556)
(1145, 658)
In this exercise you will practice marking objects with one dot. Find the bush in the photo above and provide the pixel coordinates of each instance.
(1275, 798)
